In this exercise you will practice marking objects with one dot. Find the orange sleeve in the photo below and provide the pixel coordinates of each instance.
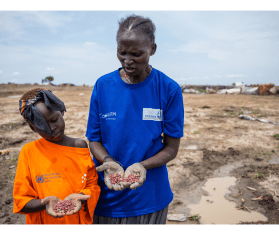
(93, 189)
(23, 188)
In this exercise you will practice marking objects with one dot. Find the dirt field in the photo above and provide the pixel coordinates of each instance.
(216, 144)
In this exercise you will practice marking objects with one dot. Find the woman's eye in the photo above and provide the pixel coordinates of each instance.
(121, 52)
(136, 54)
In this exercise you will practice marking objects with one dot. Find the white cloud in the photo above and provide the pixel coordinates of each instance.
(56, 72)
(14, 24)
(15, 73)
(1, 72)
(235, 76)
(259, 75)
(72, 60)
(182, 79)
(46, 18)
(50, 69)
(90, 43)
(192, 47)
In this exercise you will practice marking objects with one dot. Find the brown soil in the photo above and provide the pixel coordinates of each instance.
(216, 143)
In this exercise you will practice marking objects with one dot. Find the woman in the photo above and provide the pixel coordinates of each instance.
(130, 109)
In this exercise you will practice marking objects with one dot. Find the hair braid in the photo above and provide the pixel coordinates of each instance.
(30, 94)
(138, 24)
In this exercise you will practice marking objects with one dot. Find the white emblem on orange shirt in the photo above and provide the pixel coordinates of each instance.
(83, 178)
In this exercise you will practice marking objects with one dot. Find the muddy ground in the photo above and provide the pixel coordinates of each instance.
(216, 143)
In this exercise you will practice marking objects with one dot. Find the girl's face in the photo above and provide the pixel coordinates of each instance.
(55, 121)
(133, 52)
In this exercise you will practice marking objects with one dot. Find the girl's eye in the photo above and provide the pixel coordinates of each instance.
(52, 121)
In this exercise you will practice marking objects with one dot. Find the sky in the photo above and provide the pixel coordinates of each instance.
(194, 47)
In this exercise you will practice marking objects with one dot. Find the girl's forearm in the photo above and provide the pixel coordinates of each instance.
(33, 206)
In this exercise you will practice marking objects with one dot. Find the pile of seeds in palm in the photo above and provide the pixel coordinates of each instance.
(116, 178)
(64, 206)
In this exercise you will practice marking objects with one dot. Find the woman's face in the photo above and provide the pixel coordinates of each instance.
(133, 52)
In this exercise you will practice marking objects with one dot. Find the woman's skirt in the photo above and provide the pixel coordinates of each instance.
(158, 217)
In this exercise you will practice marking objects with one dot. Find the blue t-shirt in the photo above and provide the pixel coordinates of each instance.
(128, 119)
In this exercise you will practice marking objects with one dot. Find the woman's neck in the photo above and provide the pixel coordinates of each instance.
(135, 79)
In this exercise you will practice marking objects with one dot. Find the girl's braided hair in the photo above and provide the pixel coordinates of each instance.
(139, 24)
(30, 94)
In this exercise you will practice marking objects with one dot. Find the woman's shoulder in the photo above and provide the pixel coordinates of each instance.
(166, 81)
(107, 76)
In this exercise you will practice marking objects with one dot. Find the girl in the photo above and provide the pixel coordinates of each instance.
(54, 168)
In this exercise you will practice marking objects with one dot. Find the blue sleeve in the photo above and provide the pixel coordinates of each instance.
(174, 115)
(93, 132)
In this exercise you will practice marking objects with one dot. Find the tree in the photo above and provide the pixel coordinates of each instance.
(48, 79)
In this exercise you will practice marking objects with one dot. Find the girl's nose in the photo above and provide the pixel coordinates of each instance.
(52, 128)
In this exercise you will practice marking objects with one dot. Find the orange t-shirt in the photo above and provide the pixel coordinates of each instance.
(47, 169)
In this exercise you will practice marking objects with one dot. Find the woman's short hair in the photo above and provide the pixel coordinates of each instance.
(138, 24)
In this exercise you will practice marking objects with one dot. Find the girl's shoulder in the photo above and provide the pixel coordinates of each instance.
(79, 143)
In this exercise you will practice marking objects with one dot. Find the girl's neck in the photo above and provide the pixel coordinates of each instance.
(65, 141)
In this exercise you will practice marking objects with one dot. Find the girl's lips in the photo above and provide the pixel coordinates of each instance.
(57, 135)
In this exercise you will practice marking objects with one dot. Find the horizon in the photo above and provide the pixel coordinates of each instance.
(194, 47)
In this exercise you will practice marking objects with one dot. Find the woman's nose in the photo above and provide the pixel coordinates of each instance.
(128, 61)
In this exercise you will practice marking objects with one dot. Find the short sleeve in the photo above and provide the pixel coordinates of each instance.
(173, 115)
(93, 132)
(23, 188)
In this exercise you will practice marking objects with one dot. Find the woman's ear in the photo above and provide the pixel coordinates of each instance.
(153, 49)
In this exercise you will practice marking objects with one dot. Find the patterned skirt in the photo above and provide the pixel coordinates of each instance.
(158, 217)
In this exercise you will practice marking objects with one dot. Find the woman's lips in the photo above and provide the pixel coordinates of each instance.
(129, 69)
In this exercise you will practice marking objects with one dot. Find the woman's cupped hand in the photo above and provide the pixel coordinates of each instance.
(111, 168)
(136, 170)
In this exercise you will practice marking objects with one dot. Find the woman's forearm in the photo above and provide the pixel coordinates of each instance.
(33, 206)
(165, 155)
(99, 151)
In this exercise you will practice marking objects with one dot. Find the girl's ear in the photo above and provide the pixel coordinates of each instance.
(153, 50)
(62, 113)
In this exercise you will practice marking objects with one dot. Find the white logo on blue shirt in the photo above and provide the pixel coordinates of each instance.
(152, 114)
(108, 116)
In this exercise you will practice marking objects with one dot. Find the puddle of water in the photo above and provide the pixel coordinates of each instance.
(192, 147)
(215, 209)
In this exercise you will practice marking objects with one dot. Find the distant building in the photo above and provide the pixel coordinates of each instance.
(238, 84)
